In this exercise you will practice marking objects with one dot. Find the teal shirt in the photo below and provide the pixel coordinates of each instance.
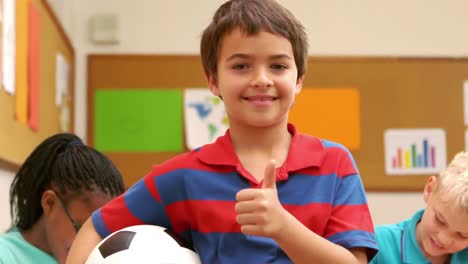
(397, 244)
(15, 250)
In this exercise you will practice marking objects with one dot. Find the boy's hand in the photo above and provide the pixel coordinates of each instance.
(259, 211)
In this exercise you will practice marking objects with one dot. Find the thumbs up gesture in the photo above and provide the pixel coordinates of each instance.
(259, 211)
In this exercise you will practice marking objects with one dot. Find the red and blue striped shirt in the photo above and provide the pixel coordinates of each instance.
(194, 194)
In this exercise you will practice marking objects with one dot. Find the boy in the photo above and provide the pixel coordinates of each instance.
(229, 197)
(438, 234)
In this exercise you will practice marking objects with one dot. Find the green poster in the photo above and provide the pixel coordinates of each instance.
(138, 120)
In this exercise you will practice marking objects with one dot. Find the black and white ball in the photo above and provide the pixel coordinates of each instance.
(143, 244)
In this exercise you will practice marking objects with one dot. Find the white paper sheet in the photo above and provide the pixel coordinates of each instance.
(465, 101)
(9, 46)
(62, 76)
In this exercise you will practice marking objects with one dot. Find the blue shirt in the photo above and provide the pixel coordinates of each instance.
(15, 250)
(398, 244)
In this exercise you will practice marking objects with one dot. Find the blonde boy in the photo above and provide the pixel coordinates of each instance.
(229, 198)
(437, 234)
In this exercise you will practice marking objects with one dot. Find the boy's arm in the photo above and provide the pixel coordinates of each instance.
(85, 241)
(304, 246)
(260, 213)
(136, 206)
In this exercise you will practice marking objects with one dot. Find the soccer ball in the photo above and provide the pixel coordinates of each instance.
(143, 244)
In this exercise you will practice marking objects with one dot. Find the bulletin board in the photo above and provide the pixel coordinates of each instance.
(17, 140)
(394, 93)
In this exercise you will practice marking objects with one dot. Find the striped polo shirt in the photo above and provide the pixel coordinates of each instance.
(194, 194)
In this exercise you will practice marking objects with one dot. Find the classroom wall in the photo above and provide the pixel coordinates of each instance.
(427, 28)
(370, 28)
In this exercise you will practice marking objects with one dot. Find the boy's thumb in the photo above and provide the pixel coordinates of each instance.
(269, 179)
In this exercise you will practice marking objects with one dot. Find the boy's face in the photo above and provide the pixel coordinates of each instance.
(257, 78)
(443, 229)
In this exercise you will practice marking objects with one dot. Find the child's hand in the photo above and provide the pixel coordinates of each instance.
(259, 211)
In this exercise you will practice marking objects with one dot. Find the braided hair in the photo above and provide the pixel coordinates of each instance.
(62, 161)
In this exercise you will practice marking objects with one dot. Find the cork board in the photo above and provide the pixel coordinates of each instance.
(17, 140)
(394, 93)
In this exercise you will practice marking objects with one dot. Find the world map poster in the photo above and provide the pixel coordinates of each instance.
(205, 117)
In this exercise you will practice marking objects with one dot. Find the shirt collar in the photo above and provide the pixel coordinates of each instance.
(304, 151)
(411, 253)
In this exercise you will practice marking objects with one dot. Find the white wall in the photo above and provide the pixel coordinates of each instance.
(6, 176)
(335, 27)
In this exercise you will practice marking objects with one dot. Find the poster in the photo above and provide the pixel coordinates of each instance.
(415, 151)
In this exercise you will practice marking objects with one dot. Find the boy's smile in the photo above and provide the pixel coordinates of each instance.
(444, 232)
(260, 100)
(256, 77)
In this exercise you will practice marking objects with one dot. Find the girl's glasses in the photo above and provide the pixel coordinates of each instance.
(65, 209)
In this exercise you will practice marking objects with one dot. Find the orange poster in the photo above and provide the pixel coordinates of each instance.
(329, 113)
(22, 89)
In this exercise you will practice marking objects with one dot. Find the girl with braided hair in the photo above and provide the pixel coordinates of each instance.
(55, 190)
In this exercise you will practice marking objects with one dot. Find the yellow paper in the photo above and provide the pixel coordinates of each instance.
(331, 113)
(22, 89)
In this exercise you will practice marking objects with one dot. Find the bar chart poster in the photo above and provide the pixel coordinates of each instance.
(415, 151)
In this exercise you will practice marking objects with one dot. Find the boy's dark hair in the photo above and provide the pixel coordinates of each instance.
(61, 162)
(252, 16)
